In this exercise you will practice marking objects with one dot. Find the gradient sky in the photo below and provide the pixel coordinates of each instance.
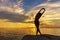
(19, 12)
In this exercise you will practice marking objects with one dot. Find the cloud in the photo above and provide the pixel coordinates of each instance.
(50, 9)
(51, 15)
(8, 5)
(12, 10)
(12, 17)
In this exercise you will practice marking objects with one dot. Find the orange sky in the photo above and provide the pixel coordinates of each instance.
(51, 15)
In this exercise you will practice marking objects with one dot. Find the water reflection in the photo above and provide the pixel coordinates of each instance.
(52, 31)
(18, 33)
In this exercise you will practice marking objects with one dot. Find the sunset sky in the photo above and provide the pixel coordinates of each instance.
(21, 13)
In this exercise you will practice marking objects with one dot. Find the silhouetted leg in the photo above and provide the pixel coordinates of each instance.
(37, 27)
(39, 31)
(36, 31)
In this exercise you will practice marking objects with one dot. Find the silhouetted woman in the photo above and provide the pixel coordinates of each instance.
(38, 15)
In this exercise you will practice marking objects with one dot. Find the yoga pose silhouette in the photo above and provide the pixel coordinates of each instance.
(38, 15)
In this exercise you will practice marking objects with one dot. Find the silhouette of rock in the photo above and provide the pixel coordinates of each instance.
(43, 37)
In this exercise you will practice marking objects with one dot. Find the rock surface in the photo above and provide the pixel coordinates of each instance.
(43, 37)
